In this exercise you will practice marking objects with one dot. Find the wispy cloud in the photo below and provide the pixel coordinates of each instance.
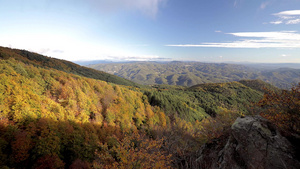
(137, 58)
(43, 50)
(238, 3)
(276, 22)
(47, 51)
(264, 4)
(148, 7)
(282, 39)
(235, 3)
(287, 17)
(57, 51)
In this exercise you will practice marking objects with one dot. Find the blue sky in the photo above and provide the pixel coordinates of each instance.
(199, 30)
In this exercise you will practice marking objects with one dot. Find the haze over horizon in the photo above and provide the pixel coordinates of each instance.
(266, 31)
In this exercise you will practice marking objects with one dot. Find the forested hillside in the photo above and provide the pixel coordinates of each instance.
(63, 65)
(193, 73)
(53, 119)
(49, 117)
(200, 101)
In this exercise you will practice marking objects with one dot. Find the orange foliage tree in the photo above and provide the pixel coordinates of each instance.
(134, 151)
(283, 108)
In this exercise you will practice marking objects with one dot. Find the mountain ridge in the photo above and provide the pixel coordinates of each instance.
(63, 65)
(193, 73)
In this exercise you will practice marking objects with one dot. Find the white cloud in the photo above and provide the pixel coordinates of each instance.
(283, 39)
(287, 17)
(291, 12)
(218, 31)
(276, 22)
(148, 7)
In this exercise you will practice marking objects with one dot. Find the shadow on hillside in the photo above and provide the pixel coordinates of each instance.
(47, 143)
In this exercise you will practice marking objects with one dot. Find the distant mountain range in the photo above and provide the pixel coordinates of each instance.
(249, 64)
(272, 65)
(193, 73)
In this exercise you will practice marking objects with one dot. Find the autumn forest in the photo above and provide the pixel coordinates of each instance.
(56, 114)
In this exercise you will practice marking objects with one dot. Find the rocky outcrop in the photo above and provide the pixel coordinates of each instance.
(253, 143)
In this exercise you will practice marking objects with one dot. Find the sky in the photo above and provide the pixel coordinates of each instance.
(264, 31)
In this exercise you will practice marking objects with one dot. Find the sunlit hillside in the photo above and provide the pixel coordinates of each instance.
(62, 65)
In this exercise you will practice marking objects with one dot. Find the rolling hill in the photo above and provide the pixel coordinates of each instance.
(193, 73)
(62, 65)
(203, 100)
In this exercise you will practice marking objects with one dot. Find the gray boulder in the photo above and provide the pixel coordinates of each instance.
(253, 143)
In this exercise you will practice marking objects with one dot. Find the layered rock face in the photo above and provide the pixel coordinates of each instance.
(253, 143)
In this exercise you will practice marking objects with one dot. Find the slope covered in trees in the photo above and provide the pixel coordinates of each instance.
(193, 73)
(50, 118)
(200, 101)
(63, 65)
